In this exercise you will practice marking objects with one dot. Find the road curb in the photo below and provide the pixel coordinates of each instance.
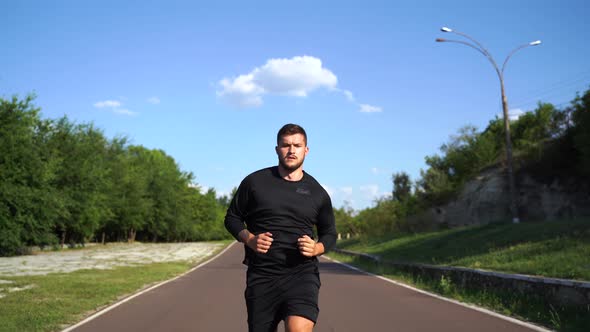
(552, 290)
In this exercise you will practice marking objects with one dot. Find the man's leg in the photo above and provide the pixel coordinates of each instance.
(298, 324)
(301, 302)
(263, 304)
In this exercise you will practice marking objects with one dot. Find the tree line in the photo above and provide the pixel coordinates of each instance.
(548, 142)
(66, 183)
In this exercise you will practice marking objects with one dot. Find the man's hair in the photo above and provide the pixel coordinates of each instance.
(291, 129)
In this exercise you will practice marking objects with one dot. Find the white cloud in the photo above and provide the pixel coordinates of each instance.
(223, 193)
(514, 114)
(114, 106)
(346, 190)
(365, 108)
(107, 103)
(329, 190)
(344, 193)
(297, 77)
(370, 191)
(153, 100)
(379, 171)
(348, 95)
(124, 111)
(241, 91)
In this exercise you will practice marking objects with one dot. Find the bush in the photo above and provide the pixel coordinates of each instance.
(10, 243)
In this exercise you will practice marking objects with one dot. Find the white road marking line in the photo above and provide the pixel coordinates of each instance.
(466, 305)
(113, 306)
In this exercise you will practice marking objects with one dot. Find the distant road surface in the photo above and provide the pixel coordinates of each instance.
(211, 298)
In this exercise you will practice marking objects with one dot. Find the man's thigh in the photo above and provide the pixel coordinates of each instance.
(298, 324)
(270, 300)
(263, 308)
(300, 298)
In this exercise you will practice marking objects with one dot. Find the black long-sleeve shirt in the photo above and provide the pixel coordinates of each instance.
(265, 202)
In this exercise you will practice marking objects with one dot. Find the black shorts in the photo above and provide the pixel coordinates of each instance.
(271, 299)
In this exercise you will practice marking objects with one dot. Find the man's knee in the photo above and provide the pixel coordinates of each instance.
(298, 324)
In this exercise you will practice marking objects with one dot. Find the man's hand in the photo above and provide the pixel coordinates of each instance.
(259, 243)
(308, 247)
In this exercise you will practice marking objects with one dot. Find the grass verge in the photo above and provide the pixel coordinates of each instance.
(531, 309)
(57, 300)
(552, 249)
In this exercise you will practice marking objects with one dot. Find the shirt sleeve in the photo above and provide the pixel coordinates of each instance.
(326, 225)
(236, 213)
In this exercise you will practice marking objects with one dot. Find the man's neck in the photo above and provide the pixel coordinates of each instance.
(288, 175)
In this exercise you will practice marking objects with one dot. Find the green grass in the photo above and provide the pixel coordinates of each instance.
(530, 308)
(552, 249)
(60, 299)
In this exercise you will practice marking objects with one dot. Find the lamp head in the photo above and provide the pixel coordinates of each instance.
(535, 43)
(445, 29)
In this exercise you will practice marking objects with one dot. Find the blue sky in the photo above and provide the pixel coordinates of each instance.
(212, 82)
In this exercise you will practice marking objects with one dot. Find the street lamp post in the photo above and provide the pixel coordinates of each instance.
(479, 47)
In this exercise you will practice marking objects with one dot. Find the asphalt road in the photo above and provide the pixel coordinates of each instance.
(210, 298)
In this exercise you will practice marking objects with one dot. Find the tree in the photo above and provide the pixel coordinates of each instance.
(166, 184)
(225, 200)
(81, 179)
(434, 187)
(402, 186)
(115, 163)
(208, 217)
(27, 201)
(581, 130)
(345, 221)
(534, 129)
(129, 201)
(379, 220)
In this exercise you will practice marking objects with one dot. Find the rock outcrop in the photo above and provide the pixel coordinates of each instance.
(485, 199)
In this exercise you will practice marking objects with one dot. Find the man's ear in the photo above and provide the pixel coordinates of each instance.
(277, 149)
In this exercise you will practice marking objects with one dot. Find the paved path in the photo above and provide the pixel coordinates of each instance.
(211, 299)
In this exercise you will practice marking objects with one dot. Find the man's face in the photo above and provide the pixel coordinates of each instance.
(292, 151)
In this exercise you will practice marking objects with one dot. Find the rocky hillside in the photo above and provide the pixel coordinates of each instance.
(485, 199)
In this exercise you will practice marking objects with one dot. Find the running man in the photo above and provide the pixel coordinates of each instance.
(273, 213)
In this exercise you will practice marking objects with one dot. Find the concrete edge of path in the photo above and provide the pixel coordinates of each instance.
(130, 297)
(466, 305)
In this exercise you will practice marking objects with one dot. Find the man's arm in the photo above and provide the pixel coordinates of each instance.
(259, 243)
(234, 221)
(326, 226)
(235, 215)
(309, 248)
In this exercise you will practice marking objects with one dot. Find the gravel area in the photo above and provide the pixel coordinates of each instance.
(103, 257)
(98, 257)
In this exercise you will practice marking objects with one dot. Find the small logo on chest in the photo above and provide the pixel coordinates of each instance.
(303, 191)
